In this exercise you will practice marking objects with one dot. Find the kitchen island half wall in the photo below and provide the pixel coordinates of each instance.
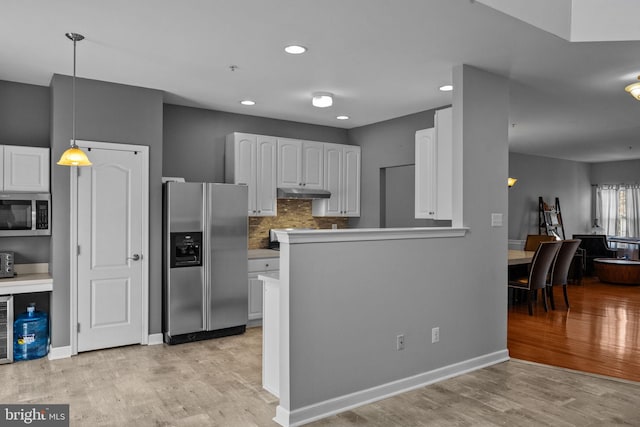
(346, 296)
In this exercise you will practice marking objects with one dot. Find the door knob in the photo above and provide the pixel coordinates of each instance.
(135, 257)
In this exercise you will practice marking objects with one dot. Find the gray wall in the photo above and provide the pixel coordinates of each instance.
(385, 144)
(624, 172)
(378, 289)
(549, 178)
(194, 139)
(106, 112)
(24, 120)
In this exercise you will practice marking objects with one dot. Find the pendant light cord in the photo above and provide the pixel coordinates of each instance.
(73, 84)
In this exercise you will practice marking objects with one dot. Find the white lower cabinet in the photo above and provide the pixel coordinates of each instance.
(256, 267)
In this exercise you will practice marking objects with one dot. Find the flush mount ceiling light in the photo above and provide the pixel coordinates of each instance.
(247, 102)
(295, 49)
(342, 117)
(446, 88)
(322, 99)
(74, 156)
(634, 89)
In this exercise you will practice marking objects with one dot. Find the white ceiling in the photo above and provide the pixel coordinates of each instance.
(381, 58)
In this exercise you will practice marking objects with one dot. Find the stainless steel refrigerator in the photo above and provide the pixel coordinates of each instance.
(205, 288)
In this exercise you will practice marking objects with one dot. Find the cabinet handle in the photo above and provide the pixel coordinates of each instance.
(431, 213)
(266, 265)
(259, 211)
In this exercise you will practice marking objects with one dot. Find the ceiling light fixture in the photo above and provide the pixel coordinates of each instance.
(295, 49)
(342, 117)
(446, 88)
(322, 99)
(74, 156)
(634, 89)
(247, 102)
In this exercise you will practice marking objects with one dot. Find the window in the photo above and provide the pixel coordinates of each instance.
(618, 208)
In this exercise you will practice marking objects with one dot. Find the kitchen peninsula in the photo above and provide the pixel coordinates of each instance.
(344, 298)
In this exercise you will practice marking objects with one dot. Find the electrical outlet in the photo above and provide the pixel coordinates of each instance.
(400, 342)
(435, 335)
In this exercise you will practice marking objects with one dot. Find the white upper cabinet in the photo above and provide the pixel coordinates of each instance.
(342, 179)
(251, 160)
(434, 169)
(25, 169)
(300, 164)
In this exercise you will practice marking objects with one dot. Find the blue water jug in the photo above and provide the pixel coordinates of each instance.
(30, 335)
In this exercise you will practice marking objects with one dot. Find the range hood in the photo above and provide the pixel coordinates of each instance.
(302, 193)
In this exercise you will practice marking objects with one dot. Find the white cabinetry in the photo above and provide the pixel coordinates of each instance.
(342, 179)
(251, 160)
(434, 169)
(256, 267)
(24, 169)
(300, 164)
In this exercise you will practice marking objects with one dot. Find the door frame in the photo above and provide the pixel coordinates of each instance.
(73, 238)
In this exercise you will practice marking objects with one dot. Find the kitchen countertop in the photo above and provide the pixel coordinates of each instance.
(29, 278)
(263, 253)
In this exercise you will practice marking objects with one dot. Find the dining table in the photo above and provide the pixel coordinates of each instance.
(518, 257)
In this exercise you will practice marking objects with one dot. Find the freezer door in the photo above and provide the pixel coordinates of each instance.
(184, 206)
(184, 287)
(185, 297)
(227, 257)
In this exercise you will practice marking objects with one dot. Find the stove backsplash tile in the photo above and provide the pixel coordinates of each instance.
(294, 213)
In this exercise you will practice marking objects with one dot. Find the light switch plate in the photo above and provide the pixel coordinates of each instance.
(496, 220)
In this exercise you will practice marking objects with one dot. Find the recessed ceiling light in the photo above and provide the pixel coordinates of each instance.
(446, 88)
(295, 49)
(342, 117)
(247, 102)
(322, 99)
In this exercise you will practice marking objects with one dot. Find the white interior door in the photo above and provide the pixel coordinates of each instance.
(110, 197)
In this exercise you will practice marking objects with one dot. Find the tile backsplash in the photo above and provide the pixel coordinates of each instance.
(291, 213)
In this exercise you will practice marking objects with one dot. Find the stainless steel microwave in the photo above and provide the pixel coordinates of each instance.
(25, 214)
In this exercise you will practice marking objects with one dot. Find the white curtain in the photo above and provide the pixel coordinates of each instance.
(618, 209)
(632, 205)
(607, 201)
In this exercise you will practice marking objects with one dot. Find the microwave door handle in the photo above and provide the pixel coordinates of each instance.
(33, 214)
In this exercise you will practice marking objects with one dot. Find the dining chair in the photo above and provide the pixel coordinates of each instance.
(531, 244)
(560, 269)
(537, 278)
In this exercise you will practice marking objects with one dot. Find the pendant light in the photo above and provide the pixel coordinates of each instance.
(74, 156)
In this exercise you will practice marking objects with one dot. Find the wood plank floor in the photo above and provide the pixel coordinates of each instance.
(218, 383)
(600, 333)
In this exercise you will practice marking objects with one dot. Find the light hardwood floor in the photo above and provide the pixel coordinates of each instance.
(218, 383)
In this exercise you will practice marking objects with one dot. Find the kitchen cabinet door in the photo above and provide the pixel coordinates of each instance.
(289, 163)
(25, 169)
(434, 168)
(342, 179)
(313, 165)
(300, 164)
(266, 203)
(251, 160)
(255, 297)
(351, 181)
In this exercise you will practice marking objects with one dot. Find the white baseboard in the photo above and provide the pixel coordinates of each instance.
(56, 353)
(334, 406)
(155, 339)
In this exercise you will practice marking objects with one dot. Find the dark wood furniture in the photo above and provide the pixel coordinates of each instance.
(613, 270)
(537, 278)
(595, 246)
(560, 269)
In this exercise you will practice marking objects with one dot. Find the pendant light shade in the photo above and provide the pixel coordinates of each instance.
(634, 89)
(74, 156)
